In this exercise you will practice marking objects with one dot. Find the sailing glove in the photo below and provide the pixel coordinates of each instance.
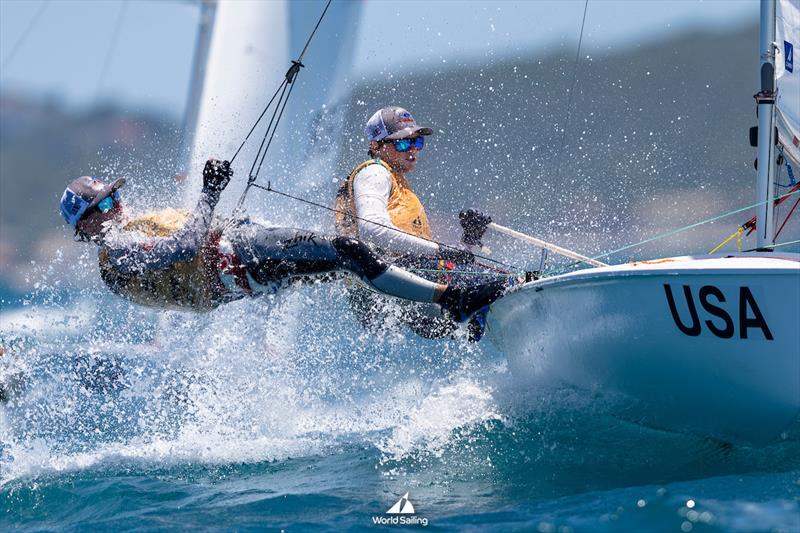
(216, 175)
(456, 255)
(474, 224)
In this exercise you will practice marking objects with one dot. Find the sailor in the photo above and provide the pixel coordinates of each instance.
(378, 205)
(178, 260)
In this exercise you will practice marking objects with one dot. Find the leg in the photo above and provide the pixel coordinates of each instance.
(275, 254)
(272, 255)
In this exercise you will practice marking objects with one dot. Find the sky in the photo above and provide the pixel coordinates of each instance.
(138, 53)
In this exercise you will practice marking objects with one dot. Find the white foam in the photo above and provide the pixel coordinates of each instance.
(429, 425)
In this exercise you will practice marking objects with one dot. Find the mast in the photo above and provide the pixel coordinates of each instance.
(766, 127)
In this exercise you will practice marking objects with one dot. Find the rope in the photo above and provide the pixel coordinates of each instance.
(779, 245)
(111, 48)
(277, 114)
(737, 233)
(462, 272)
(574, 79)
(681, 230)
(24, 36)
(269, 188)
(264, 112)
(300, 59)
(272, 135)
(785, 220)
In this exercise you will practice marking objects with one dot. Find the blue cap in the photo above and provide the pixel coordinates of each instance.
(83, 194)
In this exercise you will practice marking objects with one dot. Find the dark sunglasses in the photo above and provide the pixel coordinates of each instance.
(109, 202)
(404, 145)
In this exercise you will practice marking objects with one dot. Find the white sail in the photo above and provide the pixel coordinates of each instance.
(787, 75)
(242, 57)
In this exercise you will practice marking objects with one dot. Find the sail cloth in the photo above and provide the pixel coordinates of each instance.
(787, 75)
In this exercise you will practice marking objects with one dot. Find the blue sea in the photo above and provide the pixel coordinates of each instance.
(281, 414)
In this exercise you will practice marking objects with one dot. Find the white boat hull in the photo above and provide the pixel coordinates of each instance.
(730, 369)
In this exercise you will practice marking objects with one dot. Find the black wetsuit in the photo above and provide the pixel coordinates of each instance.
(269, 256)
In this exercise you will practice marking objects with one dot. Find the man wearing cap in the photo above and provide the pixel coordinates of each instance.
(377, 204)
(179, 260)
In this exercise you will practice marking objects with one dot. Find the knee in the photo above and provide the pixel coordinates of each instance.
(351, 247)
(363, 260)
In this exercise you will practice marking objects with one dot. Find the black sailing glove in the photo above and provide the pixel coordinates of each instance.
(216, 176)
(474, 223)
(456, 255)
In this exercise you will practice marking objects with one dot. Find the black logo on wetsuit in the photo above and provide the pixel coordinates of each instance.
(298, 239)
(721, 325)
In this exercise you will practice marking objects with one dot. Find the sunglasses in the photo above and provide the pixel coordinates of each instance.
(109, 202)
(404, 145)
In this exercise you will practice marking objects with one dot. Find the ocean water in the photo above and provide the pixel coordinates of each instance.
(282, 414)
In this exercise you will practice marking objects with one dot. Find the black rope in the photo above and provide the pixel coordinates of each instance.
(274, 130)
(277, 114)
(269, 188)
(300, 59)
(257, 121)
(24, 36)
(574, 79)
(272, 127)
(251, 176)
(111, 48)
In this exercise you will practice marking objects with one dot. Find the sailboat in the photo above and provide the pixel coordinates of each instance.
(702, 344)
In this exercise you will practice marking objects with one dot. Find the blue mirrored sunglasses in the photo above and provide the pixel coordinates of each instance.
(108, 203)
(404, 145)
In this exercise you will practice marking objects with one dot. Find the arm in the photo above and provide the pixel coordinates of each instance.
(371, 189)
(130, 253)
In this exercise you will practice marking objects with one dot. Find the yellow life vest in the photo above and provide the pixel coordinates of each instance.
(405, 210)
(185, 285)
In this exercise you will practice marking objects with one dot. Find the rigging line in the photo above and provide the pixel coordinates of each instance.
(264, 112)
(300, 59)
(461, 272)
(290, 75)
(111, 48)
(25, 34)
(778, 245)
(574, 78)
(250, 176)
(269, 188)
(274, 130)
(786, 219)
(691, 226)
(289, 78)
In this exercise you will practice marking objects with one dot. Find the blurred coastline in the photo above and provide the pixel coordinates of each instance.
(656, 138)
(43, 144)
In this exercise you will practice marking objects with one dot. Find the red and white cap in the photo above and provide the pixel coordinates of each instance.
(393, 123)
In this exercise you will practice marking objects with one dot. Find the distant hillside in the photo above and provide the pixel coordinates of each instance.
(43, 146)
(658, 137)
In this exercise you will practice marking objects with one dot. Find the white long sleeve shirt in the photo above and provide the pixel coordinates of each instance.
(372, 187)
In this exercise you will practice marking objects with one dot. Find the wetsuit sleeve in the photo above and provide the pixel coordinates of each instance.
(371, 189)
(130, 253)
